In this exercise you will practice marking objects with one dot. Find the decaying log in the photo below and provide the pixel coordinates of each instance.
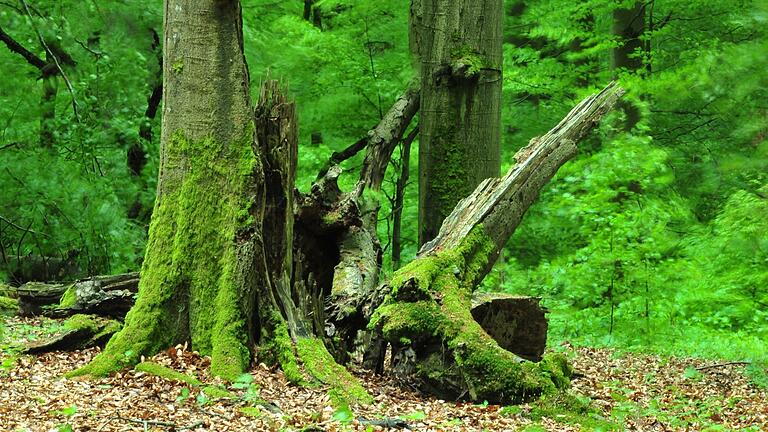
(425, 316)
(347, 222)
(110, 296)
(78, 332)
(34, 295)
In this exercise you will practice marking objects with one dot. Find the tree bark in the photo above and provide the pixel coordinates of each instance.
(205, 252)
(402, 183)
(426, 314)
(460, 47)
(48, 107)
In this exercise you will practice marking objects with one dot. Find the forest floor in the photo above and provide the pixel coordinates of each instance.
(614, 391)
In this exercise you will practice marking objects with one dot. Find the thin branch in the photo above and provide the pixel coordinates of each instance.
(719, 365)
(339, 157)
(55, 60)
(21, 228)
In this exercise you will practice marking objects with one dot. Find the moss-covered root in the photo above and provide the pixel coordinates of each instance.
(143, 335)
(167, 373)
(345, 389)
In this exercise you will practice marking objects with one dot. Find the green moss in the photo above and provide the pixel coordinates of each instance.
(251, 411)
(216, 392)
(191, 288)
(69, 298)
(449, 277)
(178, 66)
(570, 408)
(318, 362)
(84, 322)
(466, 62)
(411, 320)
(164, 372)
(278, 350)
(8, 304)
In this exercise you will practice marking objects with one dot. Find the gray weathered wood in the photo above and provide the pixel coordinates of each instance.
(498, 204)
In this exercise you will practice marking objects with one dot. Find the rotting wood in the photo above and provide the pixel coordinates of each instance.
(425, 315)
(110, 295)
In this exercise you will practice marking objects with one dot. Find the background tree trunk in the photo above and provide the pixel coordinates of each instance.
(460, 47)
(48, 106)
(628, 28)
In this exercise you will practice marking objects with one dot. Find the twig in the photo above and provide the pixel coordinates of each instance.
(55, 60)
(147, 423)
(21, 228)
(718, 365)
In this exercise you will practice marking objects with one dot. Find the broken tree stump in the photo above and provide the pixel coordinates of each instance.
(426, 314)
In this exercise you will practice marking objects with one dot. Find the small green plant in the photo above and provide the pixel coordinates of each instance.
(693, 374)
(66, 412)
(183, 395)
(416, 416)
(251, 390)
(510, 410)
(343, 415)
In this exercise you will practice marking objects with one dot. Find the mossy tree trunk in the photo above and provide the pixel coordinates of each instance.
(220, 260)
(204, 239)
(459, 43)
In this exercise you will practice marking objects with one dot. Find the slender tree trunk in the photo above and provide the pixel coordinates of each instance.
(397, 211)
(628, 28)
(460, 47)
(48, 107)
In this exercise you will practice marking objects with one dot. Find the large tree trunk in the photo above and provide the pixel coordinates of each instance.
(219, 266)
(460, 46)
(204, 240)
(426, 315)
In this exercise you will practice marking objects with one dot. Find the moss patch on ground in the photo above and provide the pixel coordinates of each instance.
(8, 304)
(167, 373)
(570, 408)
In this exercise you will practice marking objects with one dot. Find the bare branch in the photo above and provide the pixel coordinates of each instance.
(55, 60)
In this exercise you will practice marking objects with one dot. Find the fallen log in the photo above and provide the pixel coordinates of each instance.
(78, 332)
(426, 312)
(111, 296)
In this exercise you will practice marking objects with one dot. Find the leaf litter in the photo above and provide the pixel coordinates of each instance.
(629, 391)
